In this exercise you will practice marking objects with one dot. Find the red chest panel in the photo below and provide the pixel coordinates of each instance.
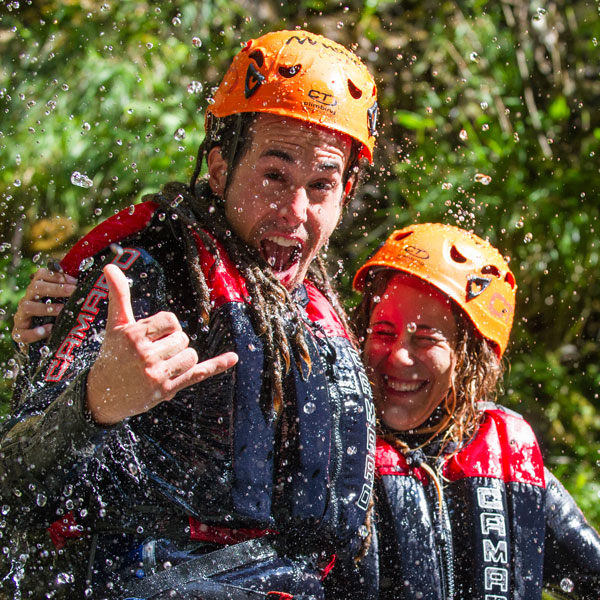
(504, 448)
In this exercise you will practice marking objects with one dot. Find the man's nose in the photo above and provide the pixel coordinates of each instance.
(294, 207)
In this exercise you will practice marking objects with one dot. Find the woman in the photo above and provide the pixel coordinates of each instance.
(465, 507)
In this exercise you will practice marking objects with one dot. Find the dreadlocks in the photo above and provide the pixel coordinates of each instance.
(199, 212)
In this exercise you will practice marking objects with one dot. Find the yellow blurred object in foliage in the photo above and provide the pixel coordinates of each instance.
(49, 234)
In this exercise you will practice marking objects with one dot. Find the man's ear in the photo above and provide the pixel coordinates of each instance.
(217, 171)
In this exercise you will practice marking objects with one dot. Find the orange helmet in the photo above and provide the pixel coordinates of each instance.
(302, 75)
(461, 265)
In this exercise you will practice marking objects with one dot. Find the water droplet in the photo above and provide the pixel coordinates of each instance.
(446, 185)
(149, 45)
(566, 585)
(116, 249)
(194, 87)
(81, 180)
(340, 25)
(463, 135)
(196, 42)
(64, 87)
(474, 57)
(482, 178)
(528, 237)
(176, 201)
(310, 408)
(179, 134)
(97, 212)
(363, 531)
(105, 7)
(376, 299)
(352, 450)
(44, 351)
(85, 127)
(17, 183)
(86, 263)
(41, 499)
(176, 21)
(411, 327)
(520, 223)
(485, 127)
(161, 216)
(516, 137)
(483, 105)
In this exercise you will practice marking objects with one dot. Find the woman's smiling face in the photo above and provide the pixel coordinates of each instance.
(409, 352)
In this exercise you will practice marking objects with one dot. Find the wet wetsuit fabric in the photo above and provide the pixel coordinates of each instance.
(207, 469)
(506, 527)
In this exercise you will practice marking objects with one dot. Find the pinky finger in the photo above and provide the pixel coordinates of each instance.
(204, 370)
(28, 336)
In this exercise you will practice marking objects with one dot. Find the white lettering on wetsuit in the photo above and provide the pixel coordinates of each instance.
(495, 544)
(371, 436)
(63, 357)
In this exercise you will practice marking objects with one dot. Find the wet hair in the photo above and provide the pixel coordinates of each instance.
(199, 211)
(477, 372)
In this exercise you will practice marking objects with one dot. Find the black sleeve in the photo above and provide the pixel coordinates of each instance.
(46, 444)
(572, 551)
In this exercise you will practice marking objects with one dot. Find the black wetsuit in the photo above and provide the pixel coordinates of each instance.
(210, 470)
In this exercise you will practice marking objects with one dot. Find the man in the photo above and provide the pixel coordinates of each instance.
(201, 426)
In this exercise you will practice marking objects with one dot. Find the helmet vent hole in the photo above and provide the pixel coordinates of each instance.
(355, 92)
(400, 235)
(289, 71)
(491, 270)
(258, 57)
(456, 256)
(510, 279)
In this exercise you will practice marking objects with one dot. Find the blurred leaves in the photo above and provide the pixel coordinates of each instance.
(509, 90)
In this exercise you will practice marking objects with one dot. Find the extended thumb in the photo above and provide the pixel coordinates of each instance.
(119, 297)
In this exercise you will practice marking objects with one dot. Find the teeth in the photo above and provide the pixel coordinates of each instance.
(398, 386)
(282, 241)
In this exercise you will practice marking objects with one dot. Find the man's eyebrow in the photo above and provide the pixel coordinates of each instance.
(282, 154)
(288, 158)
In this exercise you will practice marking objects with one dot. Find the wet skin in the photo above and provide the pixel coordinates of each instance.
(285, 197)
(409, 352)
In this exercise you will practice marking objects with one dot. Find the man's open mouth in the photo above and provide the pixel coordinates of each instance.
(280, 253)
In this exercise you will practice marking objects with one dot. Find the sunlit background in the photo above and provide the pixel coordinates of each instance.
(490, 121)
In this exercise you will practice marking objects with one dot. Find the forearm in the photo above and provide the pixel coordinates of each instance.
(41, 453)
(572, 545)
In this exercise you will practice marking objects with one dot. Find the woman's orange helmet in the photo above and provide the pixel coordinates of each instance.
(305, 76)
(461, 265)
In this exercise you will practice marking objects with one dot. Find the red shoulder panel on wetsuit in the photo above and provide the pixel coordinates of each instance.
(114, 229)
(224, 279)
(505, 447)
(320, 311)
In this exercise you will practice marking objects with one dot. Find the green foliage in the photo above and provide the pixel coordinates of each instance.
(489, 120)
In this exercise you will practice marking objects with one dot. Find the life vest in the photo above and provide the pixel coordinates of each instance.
(212, 452)
(486, 538)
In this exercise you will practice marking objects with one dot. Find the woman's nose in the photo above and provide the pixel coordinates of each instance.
(401, 354)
